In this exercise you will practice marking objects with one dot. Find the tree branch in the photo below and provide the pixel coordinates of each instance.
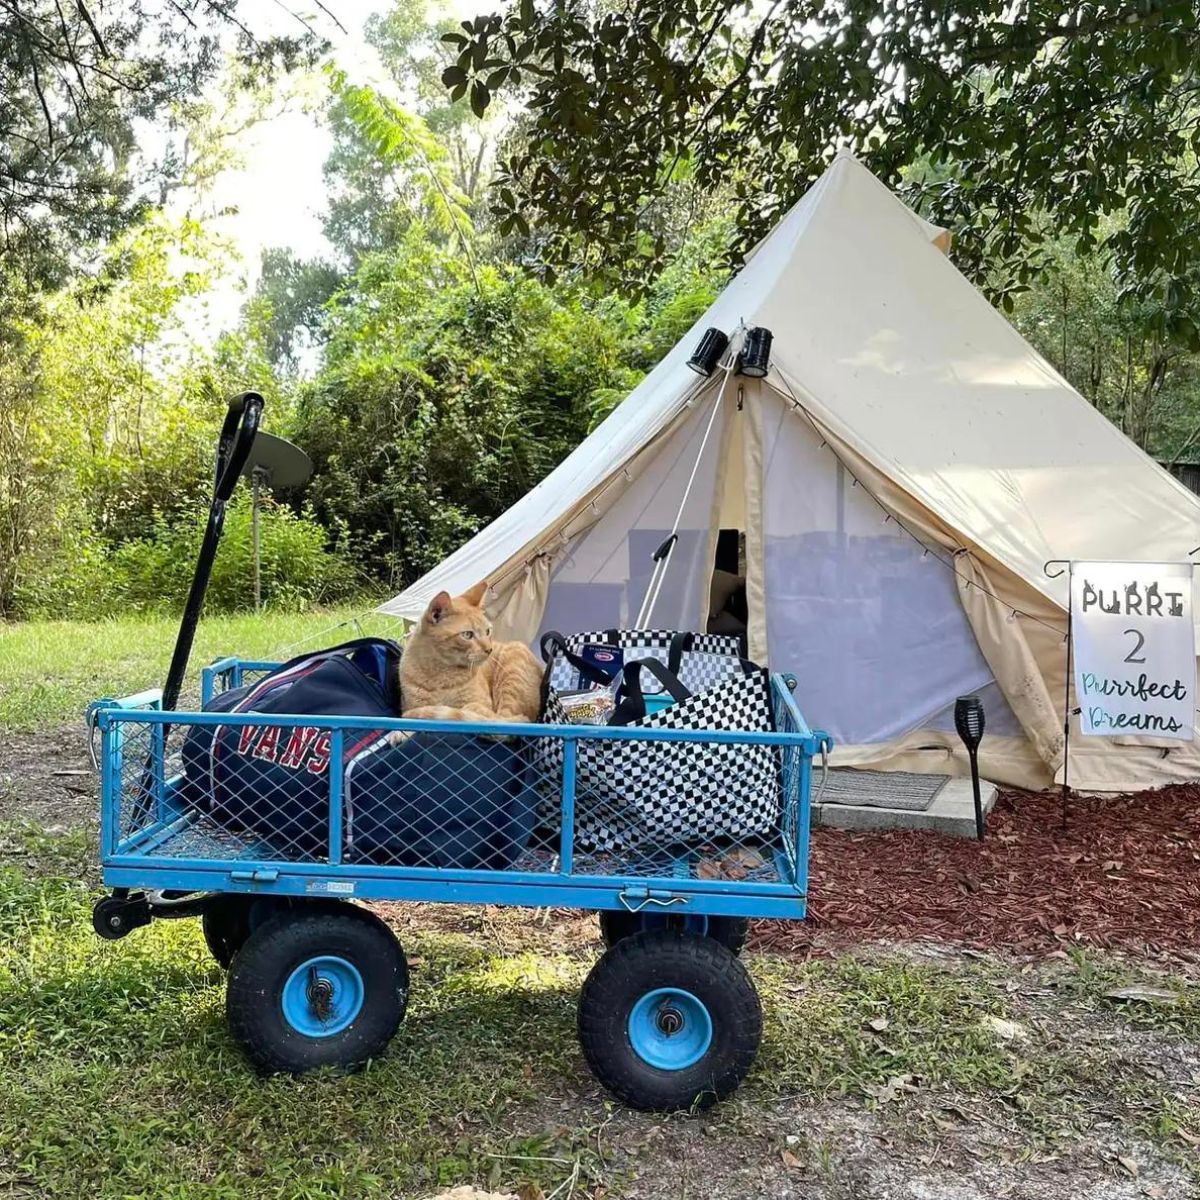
(87, 16)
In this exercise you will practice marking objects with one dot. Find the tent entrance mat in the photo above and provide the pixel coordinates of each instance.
(883, 789)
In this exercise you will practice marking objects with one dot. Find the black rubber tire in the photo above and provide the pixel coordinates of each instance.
(229, 918)
(253, 998)
(730, 932)
(667, 959)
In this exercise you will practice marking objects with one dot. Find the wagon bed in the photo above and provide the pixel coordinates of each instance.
(151, 839)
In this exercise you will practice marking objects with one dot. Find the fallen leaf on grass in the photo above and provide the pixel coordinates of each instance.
(885, 1093)
(1148, 995)
(1008, 1031)
(790, 1160)
(1129, 1165)
(879, 1024)
(467, 1192)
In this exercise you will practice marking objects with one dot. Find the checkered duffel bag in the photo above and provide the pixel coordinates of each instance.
(647, 796)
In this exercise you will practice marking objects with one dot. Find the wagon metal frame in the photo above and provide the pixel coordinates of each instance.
(145, 855)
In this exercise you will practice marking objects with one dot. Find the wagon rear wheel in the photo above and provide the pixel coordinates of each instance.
(669, 1021)
(731, 932)
(312, 989)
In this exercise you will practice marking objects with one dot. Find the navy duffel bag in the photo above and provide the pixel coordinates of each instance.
(432, 801)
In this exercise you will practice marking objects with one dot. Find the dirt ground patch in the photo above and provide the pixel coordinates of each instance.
(839, 1151)
(46, 777)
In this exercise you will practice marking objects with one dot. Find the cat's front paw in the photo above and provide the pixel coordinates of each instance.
(398, 737)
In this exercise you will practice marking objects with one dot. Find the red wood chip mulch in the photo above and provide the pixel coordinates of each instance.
(1123, 875)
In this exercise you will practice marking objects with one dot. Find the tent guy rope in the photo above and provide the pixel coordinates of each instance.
(662, 556)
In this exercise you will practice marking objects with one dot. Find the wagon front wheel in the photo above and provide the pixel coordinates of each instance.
(669, 1020)
(229, 918)
(317, 989)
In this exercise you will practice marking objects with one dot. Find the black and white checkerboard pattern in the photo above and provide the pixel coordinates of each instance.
(639, 796)
(711, 658)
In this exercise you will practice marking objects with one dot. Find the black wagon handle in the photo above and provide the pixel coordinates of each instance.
(233, 448)
(237, 437)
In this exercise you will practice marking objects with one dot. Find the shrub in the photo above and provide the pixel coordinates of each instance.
(86, 578)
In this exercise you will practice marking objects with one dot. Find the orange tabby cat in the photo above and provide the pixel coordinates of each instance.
(452, 670)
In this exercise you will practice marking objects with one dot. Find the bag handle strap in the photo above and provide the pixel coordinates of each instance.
(553, 643)
(632, 704)
(680, 642)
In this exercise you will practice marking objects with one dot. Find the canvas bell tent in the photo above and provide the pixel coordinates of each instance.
(875, 511)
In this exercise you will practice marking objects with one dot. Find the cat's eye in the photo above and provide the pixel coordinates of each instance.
(467, 634)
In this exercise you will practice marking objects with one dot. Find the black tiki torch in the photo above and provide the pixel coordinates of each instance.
(968, 720)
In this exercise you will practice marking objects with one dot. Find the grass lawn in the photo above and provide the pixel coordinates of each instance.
(978, 1075)
(121, 1080)
(51, 670)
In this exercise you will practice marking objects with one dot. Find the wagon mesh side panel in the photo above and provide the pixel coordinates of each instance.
(244, 810)
(449, 801)
(136, 763)
(792, 758)
(731, 833)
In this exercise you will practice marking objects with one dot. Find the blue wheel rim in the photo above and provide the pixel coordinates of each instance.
(322, 996)
(670, 1029)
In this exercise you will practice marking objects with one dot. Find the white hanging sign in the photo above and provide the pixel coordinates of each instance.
(1134, 649)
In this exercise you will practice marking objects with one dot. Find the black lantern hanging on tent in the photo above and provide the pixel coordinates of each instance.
(708, 353)
(755, 359)
(968, 720)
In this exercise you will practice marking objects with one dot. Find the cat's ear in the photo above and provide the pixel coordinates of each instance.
(439, 606)
(475, 596)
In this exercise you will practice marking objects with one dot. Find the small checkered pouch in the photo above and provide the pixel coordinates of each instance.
(648, 796)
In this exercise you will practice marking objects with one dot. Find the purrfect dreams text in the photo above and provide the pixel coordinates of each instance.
(1141, 689)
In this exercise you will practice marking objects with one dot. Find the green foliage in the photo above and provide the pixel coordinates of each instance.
(75, 80)
(445, 396)
(287, 310)
(399, 139)
(109, 438)
(384, 158)
(1044, 110)
(1114, 350)
(89, 577)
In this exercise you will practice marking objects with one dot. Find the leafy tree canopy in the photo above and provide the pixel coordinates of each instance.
(994, 113)
(76, 76)
(374, 190)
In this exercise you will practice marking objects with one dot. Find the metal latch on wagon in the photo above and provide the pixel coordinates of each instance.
(634, 899)
(258, 875)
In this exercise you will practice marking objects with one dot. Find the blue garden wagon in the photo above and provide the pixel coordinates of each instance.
(668, 1017)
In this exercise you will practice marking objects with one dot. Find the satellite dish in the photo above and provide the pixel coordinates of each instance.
(276, 464)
